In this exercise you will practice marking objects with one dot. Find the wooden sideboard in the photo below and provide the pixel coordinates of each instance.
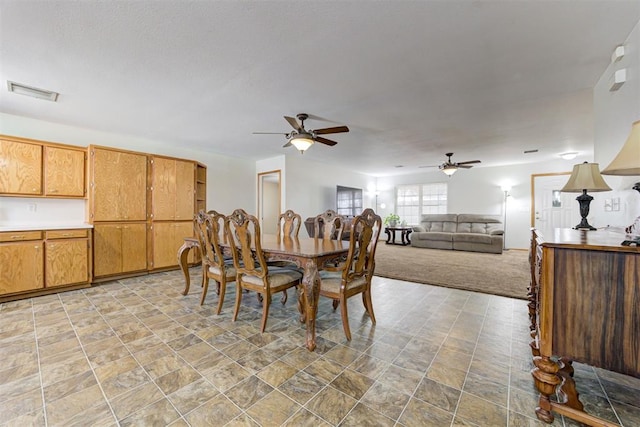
(584, 306)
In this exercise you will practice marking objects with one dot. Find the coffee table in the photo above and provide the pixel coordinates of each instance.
(404, 235)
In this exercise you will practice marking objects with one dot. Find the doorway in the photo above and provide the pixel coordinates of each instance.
(269, 200)
(551, 208)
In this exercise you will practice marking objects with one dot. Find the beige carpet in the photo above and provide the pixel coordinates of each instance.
(506, 274)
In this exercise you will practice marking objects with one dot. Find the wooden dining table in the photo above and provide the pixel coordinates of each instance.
(310, 254)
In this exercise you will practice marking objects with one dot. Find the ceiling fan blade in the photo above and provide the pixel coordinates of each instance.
(325, 141)
(269, 133)
(293, 122)
(469, 162)
(465, 166)
(429, 166)
(337, 129)
(288, 144)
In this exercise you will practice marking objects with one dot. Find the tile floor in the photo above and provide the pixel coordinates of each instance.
(137, 352)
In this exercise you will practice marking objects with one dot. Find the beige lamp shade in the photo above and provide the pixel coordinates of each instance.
(585, 176)
(627, 162)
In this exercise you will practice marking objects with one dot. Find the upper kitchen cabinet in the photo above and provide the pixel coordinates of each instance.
(118, 185)
(64, 171)
(30, 168)
(20, 167)
(173, 189)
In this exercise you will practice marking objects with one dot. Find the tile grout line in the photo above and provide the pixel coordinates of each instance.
(35, 336)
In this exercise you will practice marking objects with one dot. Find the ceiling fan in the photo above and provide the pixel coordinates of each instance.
(302, 138)
(449, 167)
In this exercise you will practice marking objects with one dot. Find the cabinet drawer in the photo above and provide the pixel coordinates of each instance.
(17, 236)
(66, 234)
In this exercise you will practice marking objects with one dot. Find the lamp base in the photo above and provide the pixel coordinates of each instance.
(584, 200)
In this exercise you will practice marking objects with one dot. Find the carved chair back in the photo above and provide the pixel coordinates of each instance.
(289, 224)
(328, 225)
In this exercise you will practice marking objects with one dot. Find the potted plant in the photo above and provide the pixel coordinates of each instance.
(391, 220)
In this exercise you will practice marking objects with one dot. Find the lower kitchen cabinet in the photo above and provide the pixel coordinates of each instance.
(119, 248)
(43, 261)
(167, 239)
(21, 258)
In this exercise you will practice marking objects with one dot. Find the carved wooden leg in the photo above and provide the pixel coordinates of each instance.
(205, 287)
(223, 290)
(300, 294)
(335, 303)
(545, 376)
(266, 301)
(345, 318)
(311, 294)
(366, 297)
(284, 297)
(183, 254)
(567, 392)
(238, 301)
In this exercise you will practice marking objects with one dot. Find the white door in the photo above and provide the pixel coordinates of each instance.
(552, 208)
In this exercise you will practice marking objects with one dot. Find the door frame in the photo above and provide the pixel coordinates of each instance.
(262, 176)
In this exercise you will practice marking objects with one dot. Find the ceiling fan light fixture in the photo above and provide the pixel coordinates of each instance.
(449, 169)
(301, 142)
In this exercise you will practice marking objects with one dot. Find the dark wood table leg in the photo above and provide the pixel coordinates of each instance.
(310, 296)
(388, 233)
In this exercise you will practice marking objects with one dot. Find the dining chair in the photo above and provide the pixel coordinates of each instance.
(328, 225)
(208, 227)
(357, 270)
(289, 224)
(252, 272)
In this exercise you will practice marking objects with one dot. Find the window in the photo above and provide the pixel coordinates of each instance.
(417, 199)
(349, 201)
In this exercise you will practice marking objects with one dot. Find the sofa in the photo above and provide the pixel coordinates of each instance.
(461, 232)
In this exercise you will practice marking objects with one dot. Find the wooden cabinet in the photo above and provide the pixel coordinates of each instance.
(172, 189)
(168, 237)
(119, 248)
(20, 167)
(585, 288)
(67, 257)
(64, 171)
(118, 185)
(38, 262)
(41, 169)
(21, 256)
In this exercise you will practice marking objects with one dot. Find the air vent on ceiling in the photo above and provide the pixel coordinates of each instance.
(530, 151)
(34, 92)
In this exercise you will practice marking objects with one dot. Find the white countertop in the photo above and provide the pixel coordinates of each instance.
(34, 227)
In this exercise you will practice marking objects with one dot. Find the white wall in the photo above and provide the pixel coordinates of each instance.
(230, 181)
(311, 186)
(614, 114)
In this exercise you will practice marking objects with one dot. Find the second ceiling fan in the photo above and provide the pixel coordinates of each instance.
(449, 167)
(302, 138)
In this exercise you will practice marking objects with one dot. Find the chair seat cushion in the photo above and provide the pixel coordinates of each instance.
(330, 282)
(277, 277)
(229, 270)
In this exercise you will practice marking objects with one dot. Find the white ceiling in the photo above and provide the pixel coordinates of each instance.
(412, 79)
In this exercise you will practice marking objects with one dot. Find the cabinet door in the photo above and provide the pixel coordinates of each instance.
(184, 193)
(163, 195)
(64, 171)
(134, 247)
(167, 239)
(133, 187)
(22, 266)
(107, 249)
(118, 185)
(20, 168)
(66, 262)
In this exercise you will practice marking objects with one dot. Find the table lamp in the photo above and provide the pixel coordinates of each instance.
(585, 177)
(627, 163)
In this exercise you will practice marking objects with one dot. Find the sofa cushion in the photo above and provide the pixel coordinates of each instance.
(472, 238)
(418, 228)
(433, 235)
(439, 222)
(482, 224)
